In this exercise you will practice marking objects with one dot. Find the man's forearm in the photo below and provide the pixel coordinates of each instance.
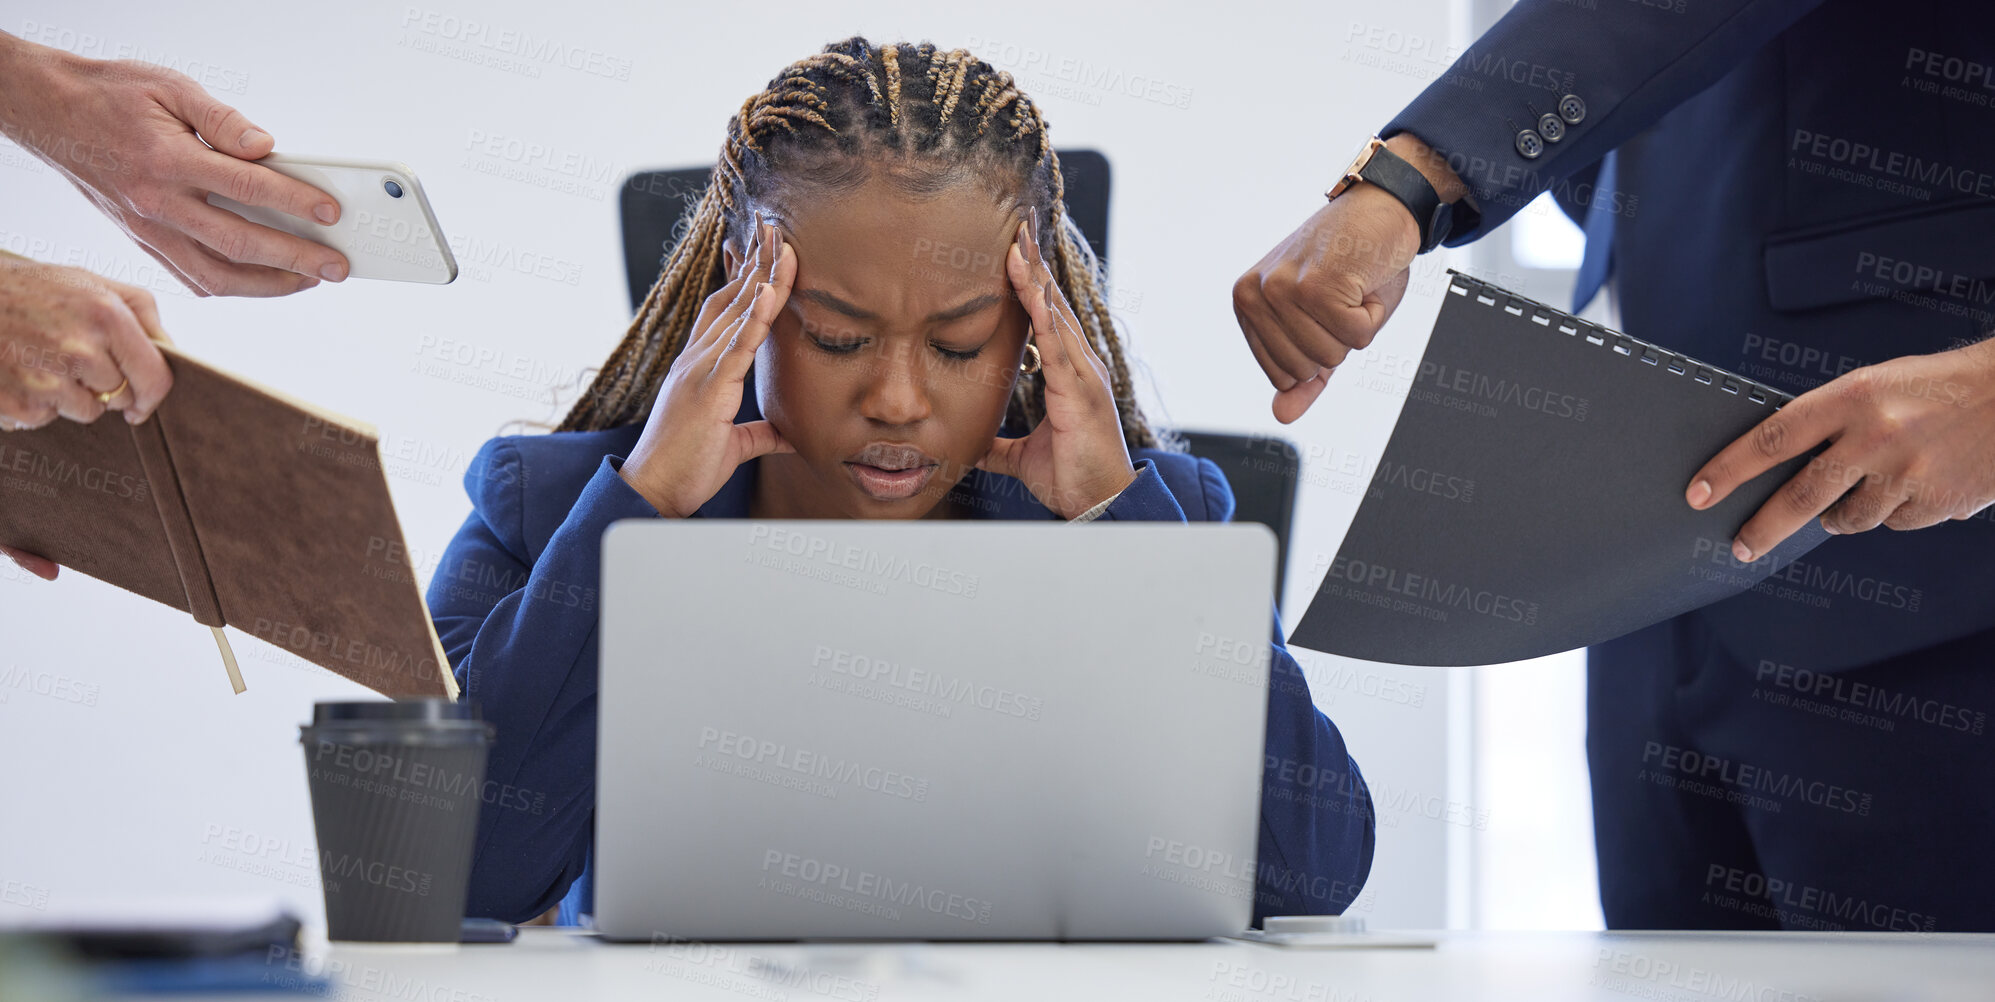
(21, 66)
(12, 50)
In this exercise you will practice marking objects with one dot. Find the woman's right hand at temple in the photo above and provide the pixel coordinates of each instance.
(691, 445)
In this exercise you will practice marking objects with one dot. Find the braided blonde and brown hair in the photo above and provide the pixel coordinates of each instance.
(824, 124)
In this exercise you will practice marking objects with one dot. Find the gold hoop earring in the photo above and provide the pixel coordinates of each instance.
(1030, 365)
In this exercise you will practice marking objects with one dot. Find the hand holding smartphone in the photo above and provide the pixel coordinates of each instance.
(386, 228)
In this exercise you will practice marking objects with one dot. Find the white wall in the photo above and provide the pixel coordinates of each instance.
(164, 782)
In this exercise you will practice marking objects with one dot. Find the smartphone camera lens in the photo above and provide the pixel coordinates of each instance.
(392, 187)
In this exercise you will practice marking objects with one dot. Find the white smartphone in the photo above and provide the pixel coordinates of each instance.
(385, 229)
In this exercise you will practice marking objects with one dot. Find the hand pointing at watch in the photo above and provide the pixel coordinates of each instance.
(1325, 291)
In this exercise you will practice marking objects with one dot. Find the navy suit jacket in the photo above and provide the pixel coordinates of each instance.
(514, 599)
(1796, 188)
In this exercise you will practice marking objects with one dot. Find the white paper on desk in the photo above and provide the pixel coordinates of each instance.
(1345, 940)
(176, 914)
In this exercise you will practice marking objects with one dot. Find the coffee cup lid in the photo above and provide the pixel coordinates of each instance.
(399, 711)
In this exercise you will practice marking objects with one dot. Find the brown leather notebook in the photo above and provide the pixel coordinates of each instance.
(243, 507)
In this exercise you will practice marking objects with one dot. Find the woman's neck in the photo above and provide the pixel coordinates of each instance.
(781, 492)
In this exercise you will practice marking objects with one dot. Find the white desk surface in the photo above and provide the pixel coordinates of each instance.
(556, 965)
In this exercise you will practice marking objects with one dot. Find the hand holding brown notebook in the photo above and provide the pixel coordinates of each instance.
(242, 507)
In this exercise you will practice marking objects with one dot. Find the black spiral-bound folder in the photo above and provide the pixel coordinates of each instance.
(1530, 500)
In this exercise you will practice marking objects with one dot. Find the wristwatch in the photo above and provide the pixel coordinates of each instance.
(1383, 167)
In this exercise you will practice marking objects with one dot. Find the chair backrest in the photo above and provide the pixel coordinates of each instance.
(1262, 470)
(652, 202)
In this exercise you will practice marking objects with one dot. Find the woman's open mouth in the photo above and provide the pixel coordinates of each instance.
(889, 471)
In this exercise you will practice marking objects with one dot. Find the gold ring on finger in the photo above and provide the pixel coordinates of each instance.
(108, 395)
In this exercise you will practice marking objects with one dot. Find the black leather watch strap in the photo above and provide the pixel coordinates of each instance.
(1435, 219)
(1391, 172)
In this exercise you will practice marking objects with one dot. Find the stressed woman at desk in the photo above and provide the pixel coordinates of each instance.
(886, 241)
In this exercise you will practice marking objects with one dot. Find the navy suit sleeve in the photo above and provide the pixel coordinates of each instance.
(1317, 828)
(521, 629)
(1146, 499)
(1630, 63)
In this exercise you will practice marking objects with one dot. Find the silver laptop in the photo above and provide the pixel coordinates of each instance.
(875, 730)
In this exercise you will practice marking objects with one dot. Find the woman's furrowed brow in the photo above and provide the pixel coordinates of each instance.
(958, 312)
(974, 306)
(834, 304)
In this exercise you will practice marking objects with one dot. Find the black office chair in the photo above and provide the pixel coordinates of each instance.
(1261, 469)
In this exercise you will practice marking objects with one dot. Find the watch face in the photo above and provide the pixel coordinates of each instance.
(1358, 161)
(1361, 155)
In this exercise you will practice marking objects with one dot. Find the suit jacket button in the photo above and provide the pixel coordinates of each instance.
(1551, 127)
(1530, 144)
(1572, 109)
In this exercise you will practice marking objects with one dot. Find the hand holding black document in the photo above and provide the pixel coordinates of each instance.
(1575, 444)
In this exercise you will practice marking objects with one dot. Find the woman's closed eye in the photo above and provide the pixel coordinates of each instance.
(836, 346)
(958, 354)
(848, 346)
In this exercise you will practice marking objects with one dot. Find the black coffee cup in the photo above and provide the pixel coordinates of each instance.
(395, 793)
